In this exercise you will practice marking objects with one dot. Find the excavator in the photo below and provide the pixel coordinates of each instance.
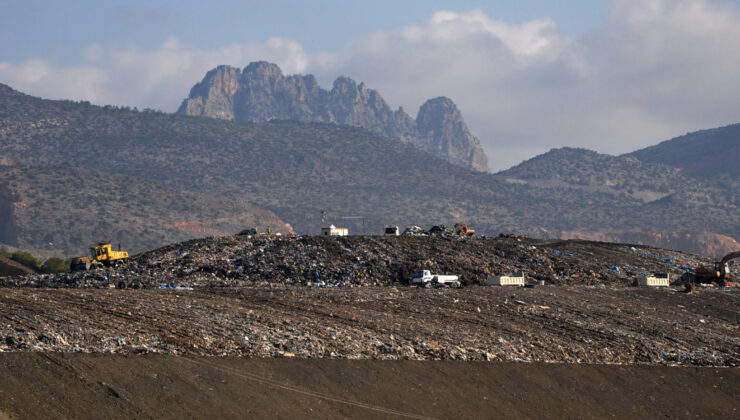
(100, 255)
(720, 272)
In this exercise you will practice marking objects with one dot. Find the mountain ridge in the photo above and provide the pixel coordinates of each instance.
(295, 170)
(260, 92)
(704, 153)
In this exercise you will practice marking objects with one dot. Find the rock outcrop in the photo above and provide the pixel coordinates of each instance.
(261, 92)
(441, 122)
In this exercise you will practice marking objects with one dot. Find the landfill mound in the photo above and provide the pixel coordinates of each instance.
(550, 324)
(319, 261)
(349, 298)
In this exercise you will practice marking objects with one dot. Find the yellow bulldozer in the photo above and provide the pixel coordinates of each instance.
(462, 229)
(100, 255)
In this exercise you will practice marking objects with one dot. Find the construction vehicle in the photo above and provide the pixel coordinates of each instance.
(426, 278)
(719, 274)
(391, 230)
(413, 231)
(100, 255)
(463, 229)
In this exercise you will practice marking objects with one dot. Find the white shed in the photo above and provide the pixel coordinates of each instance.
(658, 279)
(516, 279)
(334, 231)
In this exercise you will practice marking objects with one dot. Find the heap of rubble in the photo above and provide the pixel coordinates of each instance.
(561, 324)
(318, 261)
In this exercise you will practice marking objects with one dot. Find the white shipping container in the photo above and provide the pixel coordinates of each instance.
(513, 280)
(656, 280)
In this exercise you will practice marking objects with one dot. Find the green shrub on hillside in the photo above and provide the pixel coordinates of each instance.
(26, 259)
(55, 265)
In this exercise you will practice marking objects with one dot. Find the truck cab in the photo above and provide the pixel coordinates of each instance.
(426, 278)
(421, 277)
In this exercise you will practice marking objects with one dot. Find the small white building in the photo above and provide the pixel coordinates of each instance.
(656, 280)
(391, 230)
(334, 231)
(516, 279)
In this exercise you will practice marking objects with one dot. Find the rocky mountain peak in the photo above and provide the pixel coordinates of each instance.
(344, 84)
(440, 121)
(261, 93)
(214, 96)
(263, 68)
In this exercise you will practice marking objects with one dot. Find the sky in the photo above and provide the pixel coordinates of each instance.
(611, 76)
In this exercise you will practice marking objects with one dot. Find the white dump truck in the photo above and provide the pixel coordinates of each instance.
(426, 278)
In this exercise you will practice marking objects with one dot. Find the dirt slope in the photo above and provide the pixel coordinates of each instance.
(155, 386)
(577, 324)
(9, 267)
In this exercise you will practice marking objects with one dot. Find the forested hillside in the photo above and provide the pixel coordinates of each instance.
(297, 169)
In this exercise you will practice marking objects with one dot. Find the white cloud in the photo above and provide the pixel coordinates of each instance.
(40, 77)
(654, 69)
(93, 52)
(158, 78)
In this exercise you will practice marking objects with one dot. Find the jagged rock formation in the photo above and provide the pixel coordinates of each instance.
(441, 122)
(261, 93)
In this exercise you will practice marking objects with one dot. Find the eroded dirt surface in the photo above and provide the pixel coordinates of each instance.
(80, 386)
(565, 324)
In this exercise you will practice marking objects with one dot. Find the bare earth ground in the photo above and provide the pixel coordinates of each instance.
(58, 385)
(255, 337)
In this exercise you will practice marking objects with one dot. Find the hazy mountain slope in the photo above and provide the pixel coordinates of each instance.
(586, 168)
(665, 193)
(8, 226)
(262, 93)
(296, 169)
(701, 153)
(61, 209)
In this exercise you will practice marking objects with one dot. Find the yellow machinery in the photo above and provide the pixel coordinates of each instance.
(101, 254)
(104, 254)
(463, 229)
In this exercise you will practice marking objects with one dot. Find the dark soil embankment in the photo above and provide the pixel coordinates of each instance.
(9, 267)
(83, 386)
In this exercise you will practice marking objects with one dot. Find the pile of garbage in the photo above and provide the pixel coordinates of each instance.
(566, 324)
(358, 261)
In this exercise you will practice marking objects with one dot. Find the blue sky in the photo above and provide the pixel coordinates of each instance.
(60, 30)
(611, 76)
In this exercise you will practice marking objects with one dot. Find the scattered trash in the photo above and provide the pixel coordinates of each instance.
(360, 261)
(559, 252)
